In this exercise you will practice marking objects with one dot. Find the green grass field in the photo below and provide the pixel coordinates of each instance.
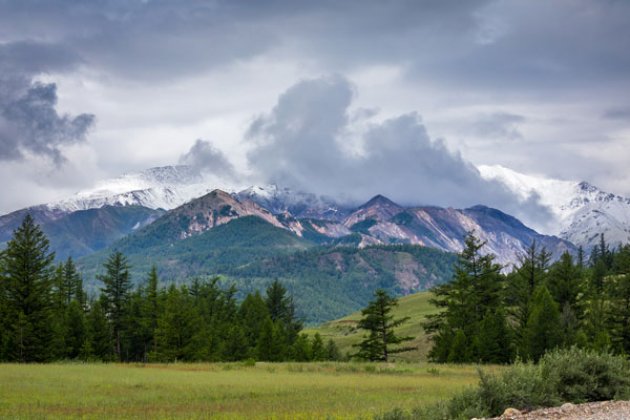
(287, 390)
(344, 331)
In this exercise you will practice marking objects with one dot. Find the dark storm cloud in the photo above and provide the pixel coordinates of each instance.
(29, 121)
(303, 143)
(204, 157)
(489, 44)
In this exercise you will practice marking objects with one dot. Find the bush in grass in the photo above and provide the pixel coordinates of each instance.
(570, 375)
(582, 376)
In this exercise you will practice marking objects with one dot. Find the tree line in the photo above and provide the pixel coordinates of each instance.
(490, 317)
(46, 315)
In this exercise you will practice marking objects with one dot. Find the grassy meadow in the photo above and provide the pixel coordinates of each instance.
(344, 331)
(228, 390)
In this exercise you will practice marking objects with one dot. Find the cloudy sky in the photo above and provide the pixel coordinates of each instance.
(338, 97)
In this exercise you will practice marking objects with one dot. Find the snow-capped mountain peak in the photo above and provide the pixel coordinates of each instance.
(581, 210)
(164, 187)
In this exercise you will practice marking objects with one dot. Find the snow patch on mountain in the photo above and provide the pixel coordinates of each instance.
(581, 211)
(164, 187)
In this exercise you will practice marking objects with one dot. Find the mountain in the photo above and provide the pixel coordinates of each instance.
(326, 281)
(81, 232)
(381, 221)
(580, 211)
(299, 204)
(164, 187)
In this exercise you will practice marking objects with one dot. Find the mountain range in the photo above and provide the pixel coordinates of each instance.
(117, 207)
(332, 254)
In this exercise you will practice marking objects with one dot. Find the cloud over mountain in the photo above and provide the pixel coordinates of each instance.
(312, 140)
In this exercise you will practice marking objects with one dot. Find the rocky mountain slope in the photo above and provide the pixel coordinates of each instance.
(81, 232)
(377, 222)
(194, 206)
(580, 210)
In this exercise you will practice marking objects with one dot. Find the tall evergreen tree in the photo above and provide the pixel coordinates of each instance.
(28, 271)
(252, 313)
(98, 343)
(474, 294)
(531, 273)
(543, 331)
(150, 310)
(117, 284)
(179, 333)
(282, 309)
(378, 320)
(4, 327)
(620, 302)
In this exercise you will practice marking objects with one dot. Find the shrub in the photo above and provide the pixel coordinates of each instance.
(582, 376)
(570, 375)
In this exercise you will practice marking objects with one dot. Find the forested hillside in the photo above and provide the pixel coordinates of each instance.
(327, 281)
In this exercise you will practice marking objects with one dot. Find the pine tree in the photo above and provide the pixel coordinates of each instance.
(564, 281)
(543, 331)
(27, 274)
(460, 350)
(76, 333)
(116, 291)
(252, 314)
(235, 344)
(3, 309)
(474, 292)
(380, 323)
(301, 350)
(282, 309)
(150, 310)
(620, 302)
(99, 336)
(332, 351)
(531, 273)
(272, 342)
(493, 342)
(179, 333)
(317, 348)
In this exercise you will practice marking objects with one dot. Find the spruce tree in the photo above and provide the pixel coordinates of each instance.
(332, 351)
(619, 311)
(380, 324)
(543, 331)
(4, 327)
(272, 342)
(460, 350)
(179, 333)
(99, 343)
(531, 273)
(27, 274)
(116, 292)
(474, 293)
(150, 310)
(252, 314)
(76, 330)
(318, 350)
(301, 350)
(282, 309)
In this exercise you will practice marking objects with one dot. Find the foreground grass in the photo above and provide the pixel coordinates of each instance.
(287, 390)
(344, 331)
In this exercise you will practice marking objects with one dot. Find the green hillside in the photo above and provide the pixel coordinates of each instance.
(344, 331)
(326, 282)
